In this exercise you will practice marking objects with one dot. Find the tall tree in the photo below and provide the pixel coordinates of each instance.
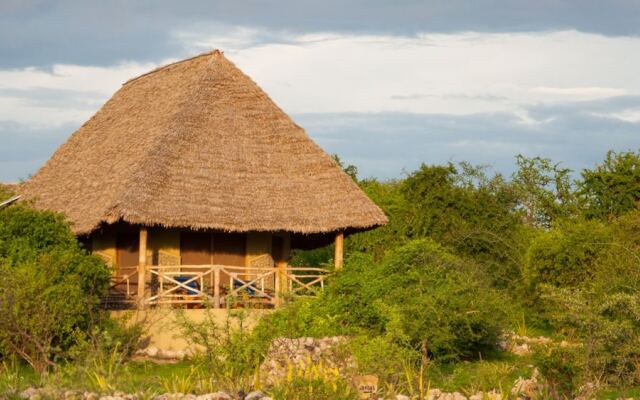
(613, 187)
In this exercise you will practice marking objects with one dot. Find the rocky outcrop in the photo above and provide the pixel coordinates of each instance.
(46, 393)
(521, 345)
(298, 354)
(153, 352)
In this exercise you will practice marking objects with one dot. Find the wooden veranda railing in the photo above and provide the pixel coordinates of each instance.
(216, 285)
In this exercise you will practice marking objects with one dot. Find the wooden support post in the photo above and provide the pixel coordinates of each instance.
(142, 266)
(339, 251)
(281, 280)
(216, 287)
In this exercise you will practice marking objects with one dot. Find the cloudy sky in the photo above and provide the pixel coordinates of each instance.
(385, 84)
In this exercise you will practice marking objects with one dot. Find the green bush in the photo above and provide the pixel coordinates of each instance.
(418, 295)
(316, 382)
(562, 369)
(566, 255)
(50, 287)
(604, 328)
(383, 357)
(230, 355)
(612, 188)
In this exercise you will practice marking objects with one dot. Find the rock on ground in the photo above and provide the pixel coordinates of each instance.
(300, 353)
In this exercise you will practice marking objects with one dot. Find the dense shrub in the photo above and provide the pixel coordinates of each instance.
(566, 255)
(595, 301)
(612, 188)
(50, 287)
(562, 369)
(418, 295)
(603, 328)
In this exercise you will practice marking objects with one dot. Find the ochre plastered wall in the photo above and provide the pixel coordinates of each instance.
(163, 246)
(164, 328)
(104, 245)
(258, 245)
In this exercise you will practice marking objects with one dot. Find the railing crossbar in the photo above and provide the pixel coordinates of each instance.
(301, 281)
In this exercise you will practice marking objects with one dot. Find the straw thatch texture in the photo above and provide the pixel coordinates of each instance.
(198, 144)
(10, 187)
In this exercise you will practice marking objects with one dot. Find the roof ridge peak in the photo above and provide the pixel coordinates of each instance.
(214, 52)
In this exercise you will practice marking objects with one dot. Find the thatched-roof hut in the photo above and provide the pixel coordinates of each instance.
(196, 157)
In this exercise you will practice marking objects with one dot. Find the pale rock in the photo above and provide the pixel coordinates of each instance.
(28, 393)
(71, 395)
(459, 396)
(220, 396)
(526, 387)
(152, 351)
(521, 349)
(255, 395)
(494, 395)
(402, 397)
(167, 355)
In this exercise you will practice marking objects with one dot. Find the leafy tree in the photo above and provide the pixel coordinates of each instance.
(589, 285)
(50, 287)
(544, 191)
(349, 169)
(566, 255)
(468, 211)
(613, 187)
(604, 327)
(390, 198)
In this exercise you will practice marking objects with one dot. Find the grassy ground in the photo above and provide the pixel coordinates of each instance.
(149, 378)
(496, 372)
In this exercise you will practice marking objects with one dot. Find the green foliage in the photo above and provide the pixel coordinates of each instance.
(383, 356)
(5, 193)
(460, 207)
(349, 169)
(230, 353)
(544, 191)
(317, 382)
(561, 367)
(566, 255)
(419, 294)
(613, 187)
(390, 198)
(50, 286)
(604, 327)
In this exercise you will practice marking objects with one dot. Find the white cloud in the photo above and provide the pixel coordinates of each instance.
(454, 74)
(94, 84)
(628, 115)
(458, 74)
(580, 93)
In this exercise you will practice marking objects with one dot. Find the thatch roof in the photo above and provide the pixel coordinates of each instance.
(198, 144)
(9, 187)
